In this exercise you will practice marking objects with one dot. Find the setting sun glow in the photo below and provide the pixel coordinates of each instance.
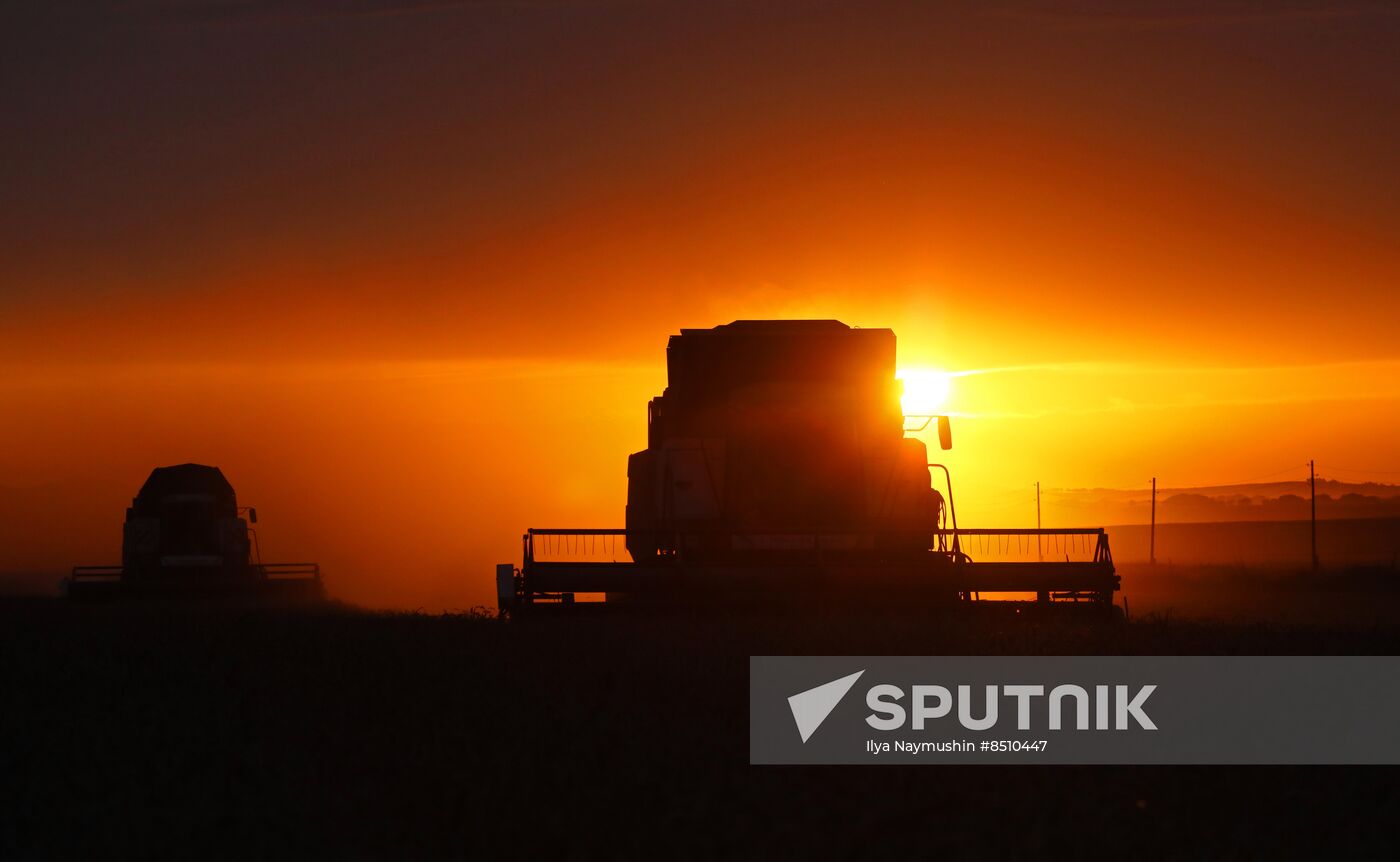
(925, 390)
(411, 284)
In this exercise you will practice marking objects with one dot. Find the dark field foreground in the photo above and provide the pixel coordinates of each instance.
(1355, 597)
(181, 731)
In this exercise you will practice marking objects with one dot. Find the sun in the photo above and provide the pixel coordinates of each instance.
(925, 390)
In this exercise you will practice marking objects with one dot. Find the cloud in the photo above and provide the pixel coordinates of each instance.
(1178, 16)
(44, 374)
(1095, 388)
(241, 11)
(1135, 368)
(1125, 405)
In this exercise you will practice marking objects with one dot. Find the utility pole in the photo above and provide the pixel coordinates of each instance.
(1152, 532)
(1312, 484)
(1039, 549)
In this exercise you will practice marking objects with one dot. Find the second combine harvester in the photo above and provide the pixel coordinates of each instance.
(186, 535)
(778, 466)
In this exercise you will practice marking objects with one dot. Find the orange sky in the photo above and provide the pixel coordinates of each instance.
(407, 275)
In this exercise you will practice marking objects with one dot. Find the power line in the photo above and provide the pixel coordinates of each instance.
(1030, 498)
(1001, 495)
(1289, 469)
(1356, 470)
(1254, 479)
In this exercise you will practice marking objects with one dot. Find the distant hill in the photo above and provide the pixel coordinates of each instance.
(1271, 501)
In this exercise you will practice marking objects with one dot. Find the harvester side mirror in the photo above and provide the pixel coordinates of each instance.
(945, 433)
(253, 513)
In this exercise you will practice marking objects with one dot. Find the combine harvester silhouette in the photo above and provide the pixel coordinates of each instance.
(185, 535)
(779, 467)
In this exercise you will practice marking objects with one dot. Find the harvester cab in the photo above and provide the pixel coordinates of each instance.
(185, 534)
(779, 438)
(779, 463)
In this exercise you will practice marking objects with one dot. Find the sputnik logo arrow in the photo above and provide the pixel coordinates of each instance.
(811, 707)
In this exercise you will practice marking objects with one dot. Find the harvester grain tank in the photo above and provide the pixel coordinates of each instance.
(185, 534)
(778, 463)
(779, 438)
